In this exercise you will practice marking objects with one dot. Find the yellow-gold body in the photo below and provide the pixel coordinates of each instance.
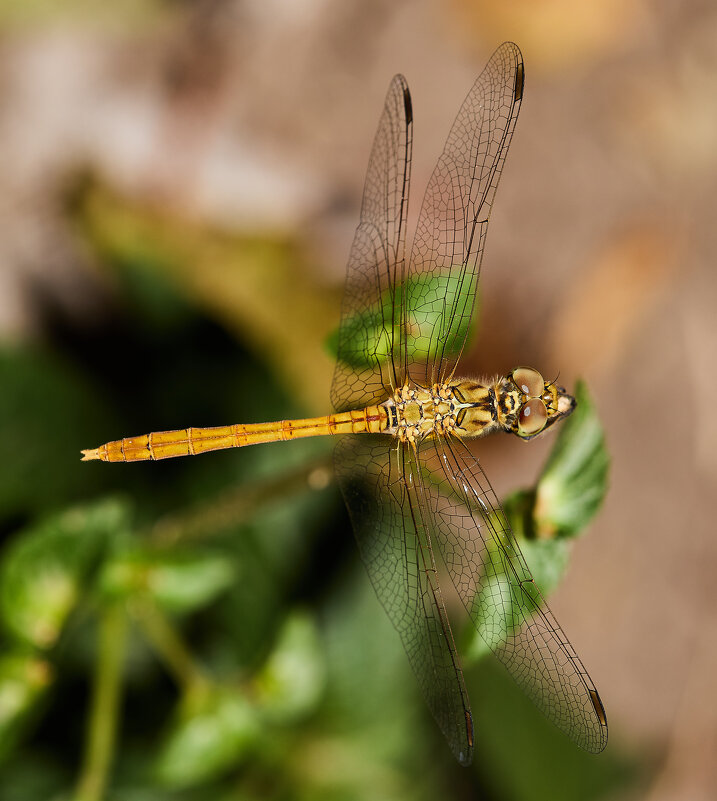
(464, 408)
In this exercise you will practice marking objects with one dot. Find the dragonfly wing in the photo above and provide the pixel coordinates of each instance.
(450, 236)
(484, 561)
(370, 312)
(389, 519)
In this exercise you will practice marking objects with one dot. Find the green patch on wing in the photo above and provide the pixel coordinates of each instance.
(439, 317)
(544, 520)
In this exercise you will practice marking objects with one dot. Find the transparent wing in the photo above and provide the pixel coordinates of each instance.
(445, 260)
(389, 514)
(370, 313)
(483, 559)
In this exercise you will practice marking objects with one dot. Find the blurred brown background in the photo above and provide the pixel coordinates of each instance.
(257, 117)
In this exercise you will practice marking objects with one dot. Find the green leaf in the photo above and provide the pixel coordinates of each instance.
(43, 570)
(569, 491)
(492, 630)
(574, 481)
(36, 775)
(47, 410)
(23, 680)
(180, 581)
(430, 298)
(512, 726)
(373, 711)
(292, 681)
(214, 730)
(518, 508)
(548, 561)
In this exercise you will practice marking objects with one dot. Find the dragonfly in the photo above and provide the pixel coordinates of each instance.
(422, 509)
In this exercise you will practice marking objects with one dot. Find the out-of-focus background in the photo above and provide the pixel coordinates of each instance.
(179, 185)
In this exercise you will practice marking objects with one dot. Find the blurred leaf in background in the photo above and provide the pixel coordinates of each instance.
(44, 571)
(573, 483)
(213, 734)
(521, 755)
(255, 286)
(24, 678)
(47, 405)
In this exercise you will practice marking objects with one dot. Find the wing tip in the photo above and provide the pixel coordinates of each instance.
(465, 757)
(407, 105)
(514, 51)
(400, 80)
(519, 82)
(599, 710)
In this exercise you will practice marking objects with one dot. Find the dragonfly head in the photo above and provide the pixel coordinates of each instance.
(529, 405)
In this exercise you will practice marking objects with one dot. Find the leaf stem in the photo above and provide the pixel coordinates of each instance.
(237, 505)
(168, 644)
(102, 724)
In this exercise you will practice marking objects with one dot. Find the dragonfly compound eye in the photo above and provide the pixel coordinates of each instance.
(532, 418)
(528, 381)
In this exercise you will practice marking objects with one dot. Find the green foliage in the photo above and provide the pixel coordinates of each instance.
(246, 282)
(522, 755)
(544, 520)
(47, 405)
(24, 678)
(218, 726)
(548, 561)
(213, 732)
(292, 680)
(429, 299)
(573, 483)
(179, 581)
(43, 571)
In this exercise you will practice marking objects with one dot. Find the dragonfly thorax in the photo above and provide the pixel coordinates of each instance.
(463, 407)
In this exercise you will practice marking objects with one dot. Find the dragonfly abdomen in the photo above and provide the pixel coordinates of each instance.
(193, 441)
